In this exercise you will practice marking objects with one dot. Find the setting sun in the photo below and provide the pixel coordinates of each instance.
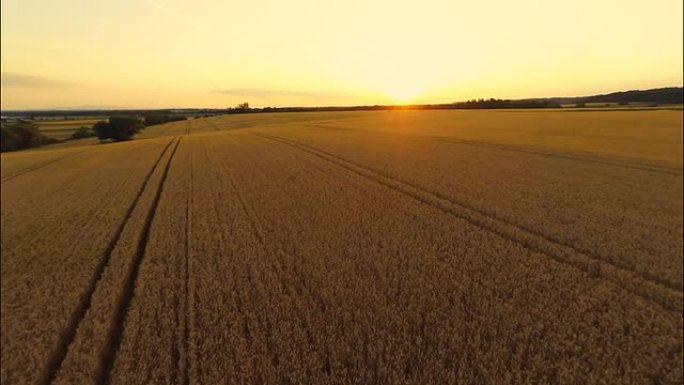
(218, 54)
(404, 92)
(403, 95)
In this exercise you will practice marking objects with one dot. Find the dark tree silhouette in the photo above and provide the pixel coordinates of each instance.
(118, 128)
(21, 135)
(152, 119)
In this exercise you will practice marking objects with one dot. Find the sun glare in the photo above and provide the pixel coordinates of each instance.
(404, 90)
(363, 53)
(403, 95)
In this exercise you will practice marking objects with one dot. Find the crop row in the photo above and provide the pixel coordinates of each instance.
(299, 270)
(626, 217)
(57, 228)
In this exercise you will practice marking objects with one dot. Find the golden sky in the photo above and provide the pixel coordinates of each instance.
(211, 53)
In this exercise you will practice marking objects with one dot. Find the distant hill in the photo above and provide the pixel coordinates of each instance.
(656, 96)
(667, 95)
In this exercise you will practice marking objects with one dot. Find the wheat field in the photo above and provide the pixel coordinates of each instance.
(369, 247)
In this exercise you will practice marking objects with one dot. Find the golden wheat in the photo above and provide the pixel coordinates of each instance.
(407, 247)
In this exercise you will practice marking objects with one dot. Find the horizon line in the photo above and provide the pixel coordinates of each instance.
(103, 108)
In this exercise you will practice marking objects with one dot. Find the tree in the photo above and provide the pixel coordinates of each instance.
(152, 119)
(243, 106)
(82, 132)
(117, 128)
(21, 135)
(9, 140)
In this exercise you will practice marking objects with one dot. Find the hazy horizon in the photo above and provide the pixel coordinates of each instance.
(95, 108)
(214, 55)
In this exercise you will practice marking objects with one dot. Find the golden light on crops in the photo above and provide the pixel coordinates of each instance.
(349, 247)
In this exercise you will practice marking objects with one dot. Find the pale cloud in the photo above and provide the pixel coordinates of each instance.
(271, 93)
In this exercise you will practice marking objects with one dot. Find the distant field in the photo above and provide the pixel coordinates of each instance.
(61, 129)
(393, 247)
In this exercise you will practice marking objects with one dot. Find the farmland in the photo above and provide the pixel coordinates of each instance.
(393, 247)
(61, 129)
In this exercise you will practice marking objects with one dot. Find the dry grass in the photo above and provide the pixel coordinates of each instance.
(363, 247)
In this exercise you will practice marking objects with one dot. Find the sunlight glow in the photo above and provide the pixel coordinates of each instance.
(212, 53)
(403, 92)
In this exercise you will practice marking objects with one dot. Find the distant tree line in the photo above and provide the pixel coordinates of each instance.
(470, 104)
(26, 134)
(501, 103)
(20, 136)
(120, 128)
(153, 119)
(241, 108)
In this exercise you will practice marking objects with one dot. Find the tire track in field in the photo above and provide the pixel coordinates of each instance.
(179, 349)
(35, 167)
(253, 220)
(568, 156)
(659, 292)
(162, 131)
(670, 285)
(164, 128)
(67, 335)
(539, 152)
(115, 333)
(240, 125)
(184, 378)
(212, 124)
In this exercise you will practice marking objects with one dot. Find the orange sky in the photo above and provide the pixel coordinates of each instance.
(155, 53)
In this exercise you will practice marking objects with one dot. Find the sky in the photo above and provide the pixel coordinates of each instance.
(213, 53)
